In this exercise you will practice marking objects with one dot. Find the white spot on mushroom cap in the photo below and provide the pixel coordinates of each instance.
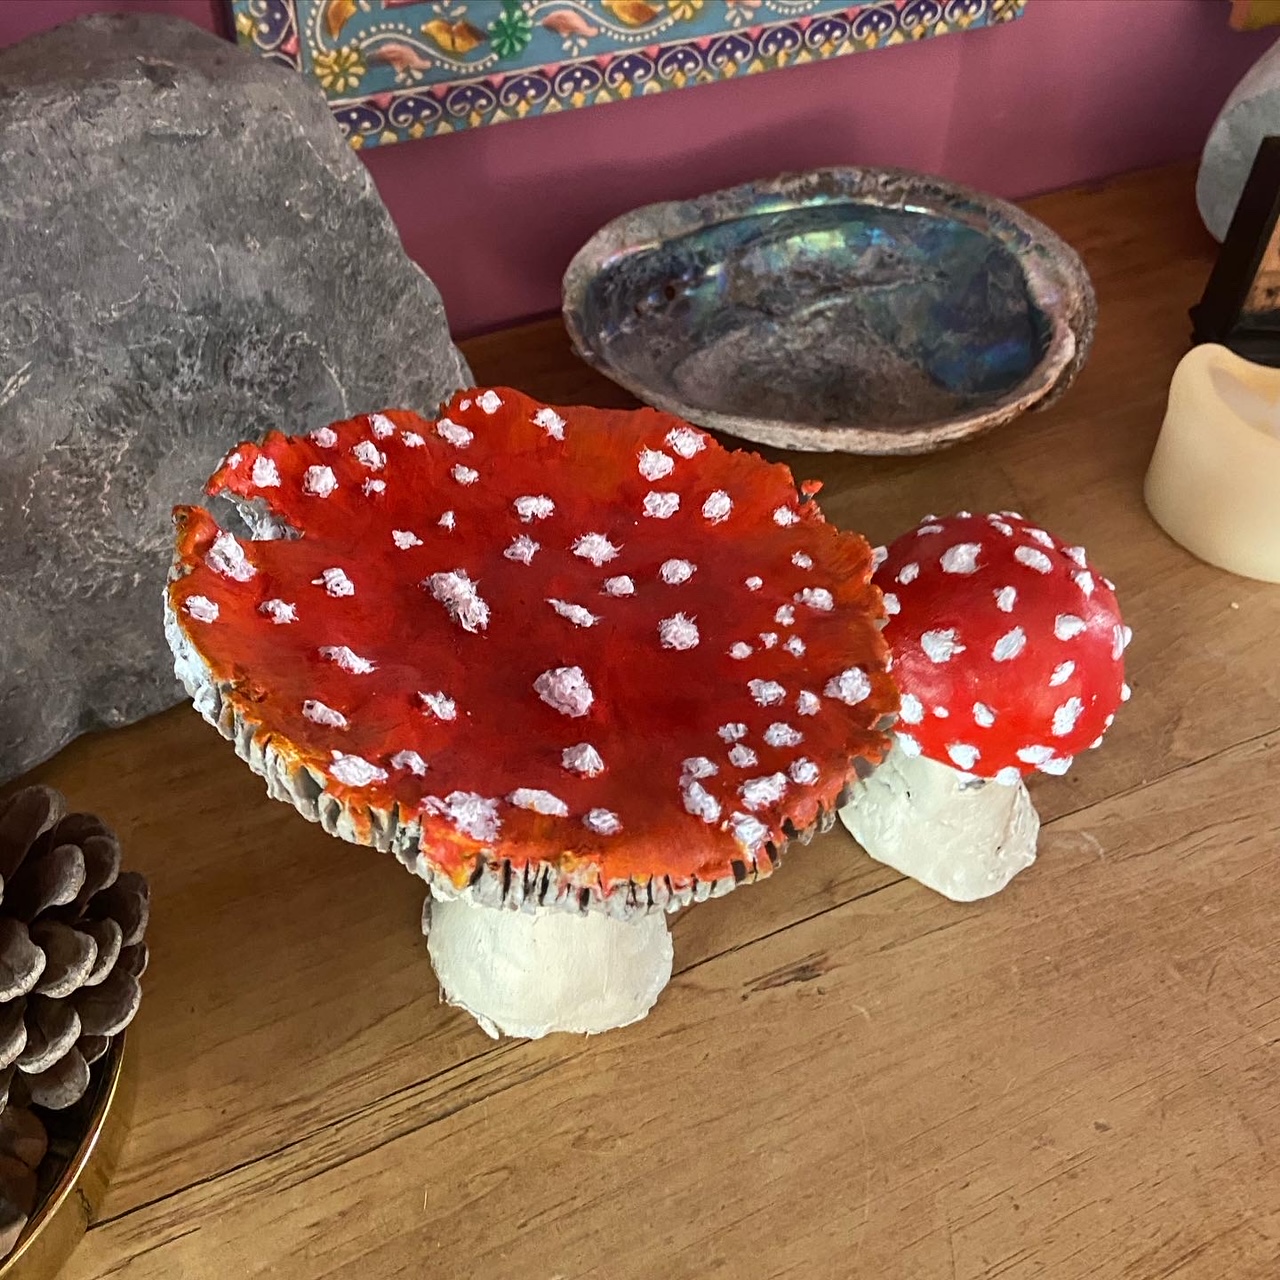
(1006, 598)
(575, 613)
(717, 507)
(319, 482)
(355, 771)
(963, 755)
(742, 757)
(335, 582)
(1010, 645)
(348, 660)
(817, 598)
(411, 761)
(878, 556)
(983, 716)
(911, 709)
(941, 646)
(1000, 526)
(602, 821)
(1067, 626)
(674, 572)
(766, 692)
(533, 507)
(678, 632)
(653, 464)
(1009, 776)
(1084, 580)
(1036, 755)
(768, 639)
(1067, 716)
(892, 605)
(279, 611)
(454, 432)
(325, 437)
(465, 475)
(1057, 766)
(753, 583)
(1033, 558)
(908, 573)
(804, 771)
(686, 441)
(732, 732)
(802, 561)
(785, 615)
(565, 689)
(1062, 673)
(622, 585)
(661, 506)
(1040, 536)
(925, 529)
(785, 516)
(226, 556)
(201, 608)
(538, 802)
(489, 401)
(439, 704)
(780, 734)
(807, 703)
(473, 815)
(1078, 555)
(265, 473)
(522, 548)
(942, 713)
(319, 713)
(595, 547)
(448, 520)
(464, 405)
(1125, 694)
(699, 801)
(740, 650)
(851, 686)
(750, 833)
(381, 425)
(759, 793)
(962, 558)
(907, 744)
(582, 758)
(412, 440)
(699, 767)
(462, 602)
(370, 487)
(551, 422)
(367, 454)
(1121, 636)
(795, 646)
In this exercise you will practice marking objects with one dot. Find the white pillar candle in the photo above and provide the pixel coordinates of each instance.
(1214, 480)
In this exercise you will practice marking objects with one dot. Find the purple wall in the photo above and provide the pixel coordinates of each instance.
(1075, 90)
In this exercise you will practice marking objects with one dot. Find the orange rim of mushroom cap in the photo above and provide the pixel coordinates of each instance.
(560, 654)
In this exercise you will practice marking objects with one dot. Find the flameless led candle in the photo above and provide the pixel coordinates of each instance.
(1214, 480)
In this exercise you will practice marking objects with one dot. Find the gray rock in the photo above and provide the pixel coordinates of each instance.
(1250, 114)
(190, 255)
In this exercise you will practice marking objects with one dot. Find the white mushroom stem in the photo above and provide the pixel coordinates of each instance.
(522, 973)
(961, 836)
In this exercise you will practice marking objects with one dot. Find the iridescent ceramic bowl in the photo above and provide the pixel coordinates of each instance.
(867, 310)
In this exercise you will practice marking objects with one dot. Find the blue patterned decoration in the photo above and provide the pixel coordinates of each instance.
(399, 69)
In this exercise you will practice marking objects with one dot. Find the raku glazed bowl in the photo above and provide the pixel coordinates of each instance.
(872, 311)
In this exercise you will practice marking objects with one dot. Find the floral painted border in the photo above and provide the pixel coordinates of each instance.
(382, 89)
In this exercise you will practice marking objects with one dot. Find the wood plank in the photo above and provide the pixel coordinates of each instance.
(1073, 1080)
(290, 996)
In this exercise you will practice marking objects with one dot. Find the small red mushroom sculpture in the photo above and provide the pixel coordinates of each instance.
(576, 668)
(1008, 649)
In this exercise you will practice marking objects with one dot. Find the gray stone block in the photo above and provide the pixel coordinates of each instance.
(190, 255)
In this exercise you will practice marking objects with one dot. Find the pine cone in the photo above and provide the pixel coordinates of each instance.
(71, 949)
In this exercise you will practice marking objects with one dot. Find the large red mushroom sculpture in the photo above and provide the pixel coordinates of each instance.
(1008, 649)
(575, 668)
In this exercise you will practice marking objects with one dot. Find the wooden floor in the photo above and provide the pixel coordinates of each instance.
(849, 1076)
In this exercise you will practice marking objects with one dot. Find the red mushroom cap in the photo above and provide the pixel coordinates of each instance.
(571, 646)
(1007, 645)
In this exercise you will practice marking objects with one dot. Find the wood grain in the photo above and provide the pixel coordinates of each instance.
(849, 1075)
